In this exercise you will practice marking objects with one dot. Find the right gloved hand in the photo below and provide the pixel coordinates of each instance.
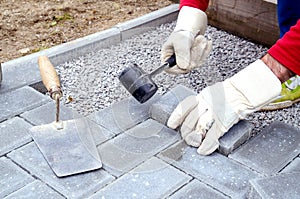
(187, 41)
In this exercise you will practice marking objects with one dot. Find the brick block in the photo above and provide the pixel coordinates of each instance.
(12, 177)
(123, 115)
(294, 166)
(235, 137)
(162, 109)
(13, 133)
(75, 186)
(216, 170)
(152, 179)
(197, 189)
(279, 186)
(129, 149)
(18, 101)
(271, 150)
(36, 189)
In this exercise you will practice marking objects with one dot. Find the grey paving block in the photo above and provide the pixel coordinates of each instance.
(294, 166)
(36, 190)
(13, 133)
(235, 137)
(18, 101)
(152, 179)
(76, 186)
(45, 114)
(12, 177)
(280, 187)
(216, 170)
(197, 189)
(149, 21)
(123, 115)
(162, 109)
(271, 150)
(129, 149)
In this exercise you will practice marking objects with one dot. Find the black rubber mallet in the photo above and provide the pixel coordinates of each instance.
(140, 84)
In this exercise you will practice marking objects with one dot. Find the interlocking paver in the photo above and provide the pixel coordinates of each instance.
(197, 189)
(12, 177)
(294, 166)
(271, 150)
(17, 101)
(281, 186)
(217, 170)
(152, 179)
(13, 133)
(123, 115)
(36, 190)
(129, 149)
(76, 186)
(236, 136)
(162, 109)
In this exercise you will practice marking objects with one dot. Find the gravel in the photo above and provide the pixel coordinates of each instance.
(92, 80)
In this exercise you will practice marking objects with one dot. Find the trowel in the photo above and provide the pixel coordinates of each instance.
(140, 84)
(67, 146)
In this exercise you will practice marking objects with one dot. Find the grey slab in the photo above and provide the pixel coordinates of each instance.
(12, 177)
(149, 21)
(36, 190)
(129, 149)
(236, 136)
(45, 114)
(123, 115)
(294, 166)
(13, 133)
(152, 179)
(280, 187)
(75, 186)
(271, 150)
(216, 170)
(162, 109)
(197, 189)
(18, 101)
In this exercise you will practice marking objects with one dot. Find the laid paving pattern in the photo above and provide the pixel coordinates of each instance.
(141, 156)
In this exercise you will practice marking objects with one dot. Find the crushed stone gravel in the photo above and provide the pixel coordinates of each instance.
(92, 80)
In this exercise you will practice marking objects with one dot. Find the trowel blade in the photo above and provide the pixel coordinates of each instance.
(70, 150)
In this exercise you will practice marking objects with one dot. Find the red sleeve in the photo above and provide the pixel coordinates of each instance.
(287, 49)
(201, 4)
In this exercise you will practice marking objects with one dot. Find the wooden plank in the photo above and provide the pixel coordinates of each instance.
(252, 19)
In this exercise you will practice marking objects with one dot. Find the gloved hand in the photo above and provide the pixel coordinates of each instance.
(187, 41)
(206, 117)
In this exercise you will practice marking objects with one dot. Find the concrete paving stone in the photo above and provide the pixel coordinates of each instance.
(148, 22)
(294, 166)
(129, 149)
(18, 101)
(75, 186)
(12, 177)
(216, 170)
(197, 189)
(13, 133)
(36, 190)
(162, 109)
(281, 186)
(37, 116)
(152, 179)
(271, 150)
(123, 115)
(236, 136)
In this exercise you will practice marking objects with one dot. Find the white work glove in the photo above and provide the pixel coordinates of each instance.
(187, 41)
(206, 117)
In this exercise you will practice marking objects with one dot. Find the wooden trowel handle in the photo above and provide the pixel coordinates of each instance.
(49, 77)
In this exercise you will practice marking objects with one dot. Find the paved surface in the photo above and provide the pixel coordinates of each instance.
(141, 157)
